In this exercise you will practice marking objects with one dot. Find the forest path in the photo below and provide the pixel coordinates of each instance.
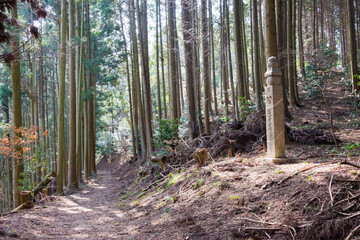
(91, 213)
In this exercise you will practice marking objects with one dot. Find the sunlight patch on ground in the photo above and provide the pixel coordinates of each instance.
(68, 202)
(75, 210)
(79, 198)
(102, 208)
(79, 228)
(118, 214)
(104, 219)
(80, 236)
(39, 217)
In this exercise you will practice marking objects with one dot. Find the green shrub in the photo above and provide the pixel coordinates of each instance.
(246, 107)
(167, 130)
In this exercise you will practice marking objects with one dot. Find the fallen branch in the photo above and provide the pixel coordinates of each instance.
(43, 183)
(346, 180)
(25, 205)
(259, 221)
(351, 164)
(352, 232)
(148, 187)
(300, 171)
(261, 229)
(350, 206)
(352, 216)
(348, 200)
(330, 191)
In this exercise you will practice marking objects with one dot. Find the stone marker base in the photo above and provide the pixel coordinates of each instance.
(277, 160)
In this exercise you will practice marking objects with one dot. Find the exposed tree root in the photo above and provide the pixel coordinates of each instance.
(351, 164)
(301, 171)
(353, 232)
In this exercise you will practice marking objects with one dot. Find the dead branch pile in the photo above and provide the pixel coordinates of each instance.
(331, 213)
(240, 137)
(313, 211)
(236, 137)
(310, 136)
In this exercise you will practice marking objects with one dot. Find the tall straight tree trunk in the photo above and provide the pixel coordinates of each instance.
(42, 105)
(331, 30)
(206, 65)
(172, 60)
(61, 111)
(211, 33)
(37, 178)
(187, 7)
(162, 61)
(343, 41)
(290, 53)
(281, 41)
(196, 54)
(257, 76)
(129, 85)
(252, 46)
(300, 40)
(80, 77)
(73, 181)
(238, 48)
(245, 55)
(228, 47)
(263, 62)
(224, 61)
(136, 80)
(90, 102)
(55, 80)
(180, 98)
(143, 37)
(86, 163)
(351, 35)
(9, 162)
(157, 60)
(271, 37)
(294, 53)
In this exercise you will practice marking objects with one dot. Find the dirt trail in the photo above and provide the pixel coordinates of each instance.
(230, 198)
(91, 213)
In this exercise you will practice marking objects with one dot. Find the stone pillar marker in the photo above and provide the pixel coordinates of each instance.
(275, 128)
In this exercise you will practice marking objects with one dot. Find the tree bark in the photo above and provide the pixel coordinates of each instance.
(271, 37)
(211, 33)
(136, 79)
(17, 117)
(129, 86)
(350, 24)
(186, 7)
(157, 60)
(61, 111)
(300, 41)
(206, 71)
(238, 47)
(143, 37)
(162, 64)
(73, 181)
(257, 76)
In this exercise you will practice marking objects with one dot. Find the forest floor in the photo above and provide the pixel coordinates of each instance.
(240, 197)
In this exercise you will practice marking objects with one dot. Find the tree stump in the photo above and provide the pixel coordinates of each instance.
(201, 156)
(162, 161)
(25, 196)
(45, 191)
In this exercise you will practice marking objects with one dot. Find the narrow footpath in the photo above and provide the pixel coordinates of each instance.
(91, 213)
